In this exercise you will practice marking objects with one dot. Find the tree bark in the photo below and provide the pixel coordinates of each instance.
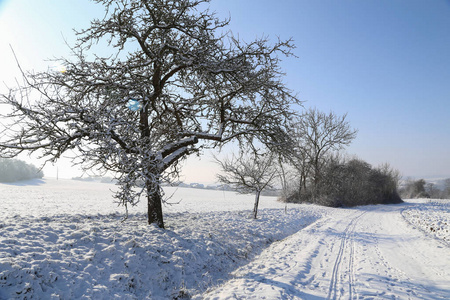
(255, 208)
(155, 214)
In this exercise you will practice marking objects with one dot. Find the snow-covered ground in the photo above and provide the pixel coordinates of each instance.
(361, 253)
(65, 240)
(432, 217)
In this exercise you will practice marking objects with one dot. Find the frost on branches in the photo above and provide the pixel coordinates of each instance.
(249, 173)
(190, 85)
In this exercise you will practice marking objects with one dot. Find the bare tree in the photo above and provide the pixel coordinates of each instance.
(249, 174)
(317, 135)
(187, 88)
(300, 159)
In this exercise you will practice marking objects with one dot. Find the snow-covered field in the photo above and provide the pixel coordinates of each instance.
(432, 217)
(65, 240)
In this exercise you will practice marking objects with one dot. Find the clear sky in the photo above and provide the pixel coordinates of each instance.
(384, 62)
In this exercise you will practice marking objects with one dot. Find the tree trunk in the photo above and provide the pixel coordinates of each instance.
(155, 214)
(255, 208)
(300, 187)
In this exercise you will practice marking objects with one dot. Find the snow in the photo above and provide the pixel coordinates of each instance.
(432, 217)
(66, 240)
(361, 253)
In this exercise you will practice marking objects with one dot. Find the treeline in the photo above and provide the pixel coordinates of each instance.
(315, 172)
(349, 182)
(12, 170)
(421, 189)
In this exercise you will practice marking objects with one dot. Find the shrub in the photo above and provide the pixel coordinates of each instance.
(414, 189)
(351, 183)
(12, 170)
(421, 189)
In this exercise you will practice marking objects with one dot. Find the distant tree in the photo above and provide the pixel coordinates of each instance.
(446, 191)
(249, 173)
(433, 191)
(316, 136)
(354, 182)
(438, 191)
(419, 188)
(414, 189)
(12, 170)
(187, 83)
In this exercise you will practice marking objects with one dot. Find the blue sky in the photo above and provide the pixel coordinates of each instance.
(384, 62)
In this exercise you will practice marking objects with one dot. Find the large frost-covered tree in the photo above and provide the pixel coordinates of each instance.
(189, 84)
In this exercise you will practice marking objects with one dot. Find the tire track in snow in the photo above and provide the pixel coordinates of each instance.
(352, 280)
(346, 237)
(363, 253)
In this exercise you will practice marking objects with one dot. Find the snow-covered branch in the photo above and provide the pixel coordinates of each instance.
(194, 87)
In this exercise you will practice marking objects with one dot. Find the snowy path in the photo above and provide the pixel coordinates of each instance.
(363, 253)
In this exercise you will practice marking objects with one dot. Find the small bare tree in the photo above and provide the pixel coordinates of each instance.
(187, 85)
(251, 173)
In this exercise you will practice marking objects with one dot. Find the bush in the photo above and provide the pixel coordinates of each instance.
(351, 183)
(12, 170)
(421, 189)
(414, 189)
